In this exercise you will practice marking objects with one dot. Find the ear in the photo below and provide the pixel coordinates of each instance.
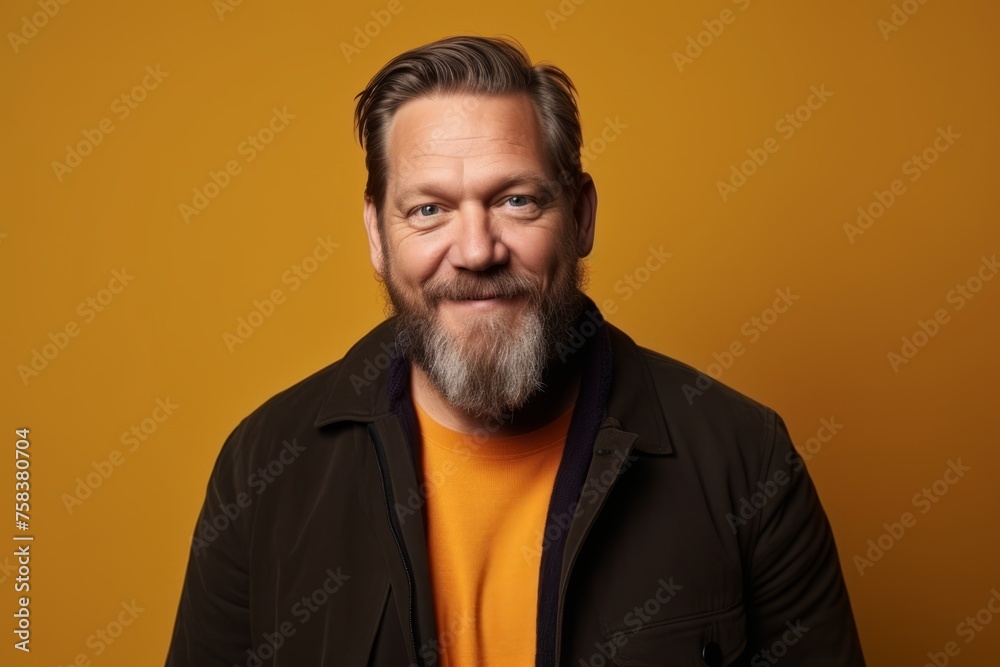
(585, 214)
(374, 238)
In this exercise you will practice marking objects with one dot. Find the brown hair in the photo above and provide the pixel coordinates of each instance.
(476, 65)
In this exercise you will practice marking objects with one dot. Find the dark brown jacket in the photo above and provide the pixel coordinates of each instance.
(684, 528)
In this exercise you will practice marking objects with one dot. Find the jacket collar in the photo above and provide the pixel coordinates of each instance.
(358, 387)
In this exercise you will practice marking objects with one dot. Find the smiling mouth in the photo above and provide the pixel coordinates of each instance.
(478, 299)
(482, 301)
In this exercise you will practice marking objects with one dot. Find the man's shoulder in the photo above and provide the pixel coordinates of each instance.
(693, 402)
(692, 383)
(678, 377)
(300, 400)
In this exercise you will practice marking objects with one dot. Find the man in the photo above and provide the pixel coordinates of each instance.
(495, 475)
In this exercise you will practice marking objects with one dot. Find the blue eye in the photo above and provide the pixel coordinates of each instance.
(513, 200)
(425, 213)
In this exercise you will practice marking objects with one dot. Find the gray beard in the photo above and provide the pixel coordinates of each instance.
(493, 370)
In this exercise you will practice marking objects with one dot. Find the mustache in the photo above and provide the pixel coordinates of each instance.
(474, 286)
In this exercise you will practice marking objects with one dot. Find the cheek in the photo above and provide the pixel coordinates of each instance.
(537, 251)
(417, 258)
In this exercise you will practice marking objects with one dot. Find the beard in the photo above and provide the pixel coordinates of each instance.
(498, 362)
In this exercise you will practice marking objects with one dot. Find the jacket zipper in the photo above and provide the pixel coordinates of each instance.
(394, 529)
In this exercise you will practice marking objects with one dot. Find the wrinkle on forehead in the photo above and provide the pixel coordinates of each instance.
(467, 146)
(430, 127)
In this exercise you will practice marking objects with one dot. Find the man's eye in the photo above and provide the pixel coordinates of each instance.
(428, 210)
(519, 201)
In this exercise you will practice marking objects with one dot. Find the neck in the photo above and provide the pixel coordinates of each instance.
(561, 386)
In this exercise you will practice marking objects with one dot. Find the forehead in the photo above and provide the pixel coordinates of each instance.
(459, 132)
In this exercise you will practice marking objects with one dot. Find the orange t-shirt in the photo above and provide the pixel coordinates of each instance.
(487, 498)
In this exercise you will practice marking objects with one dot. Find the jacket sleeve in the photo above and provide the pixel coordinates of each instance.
(212, 626)
(796, 597)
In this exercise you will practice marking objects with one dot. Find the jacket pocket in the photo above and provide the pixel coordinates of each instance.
(715, 639)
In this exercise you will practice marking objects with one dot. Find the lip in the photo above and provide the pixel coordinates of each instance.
(482, 304)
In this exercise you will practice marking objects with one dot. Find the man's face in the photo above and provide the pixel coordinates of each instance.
(481, 254)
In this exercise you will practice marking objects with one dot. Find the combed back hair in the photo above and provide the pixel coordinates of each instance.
(479, 66)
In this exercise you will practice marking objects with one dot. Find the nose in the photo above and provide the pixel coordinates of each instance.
(478, 243)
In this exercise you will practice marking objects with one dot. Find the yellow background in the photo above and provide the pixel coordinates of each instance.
(680, 130)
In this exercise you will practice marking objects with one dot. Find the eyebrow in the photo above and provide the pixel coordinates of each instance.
(539, 183)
